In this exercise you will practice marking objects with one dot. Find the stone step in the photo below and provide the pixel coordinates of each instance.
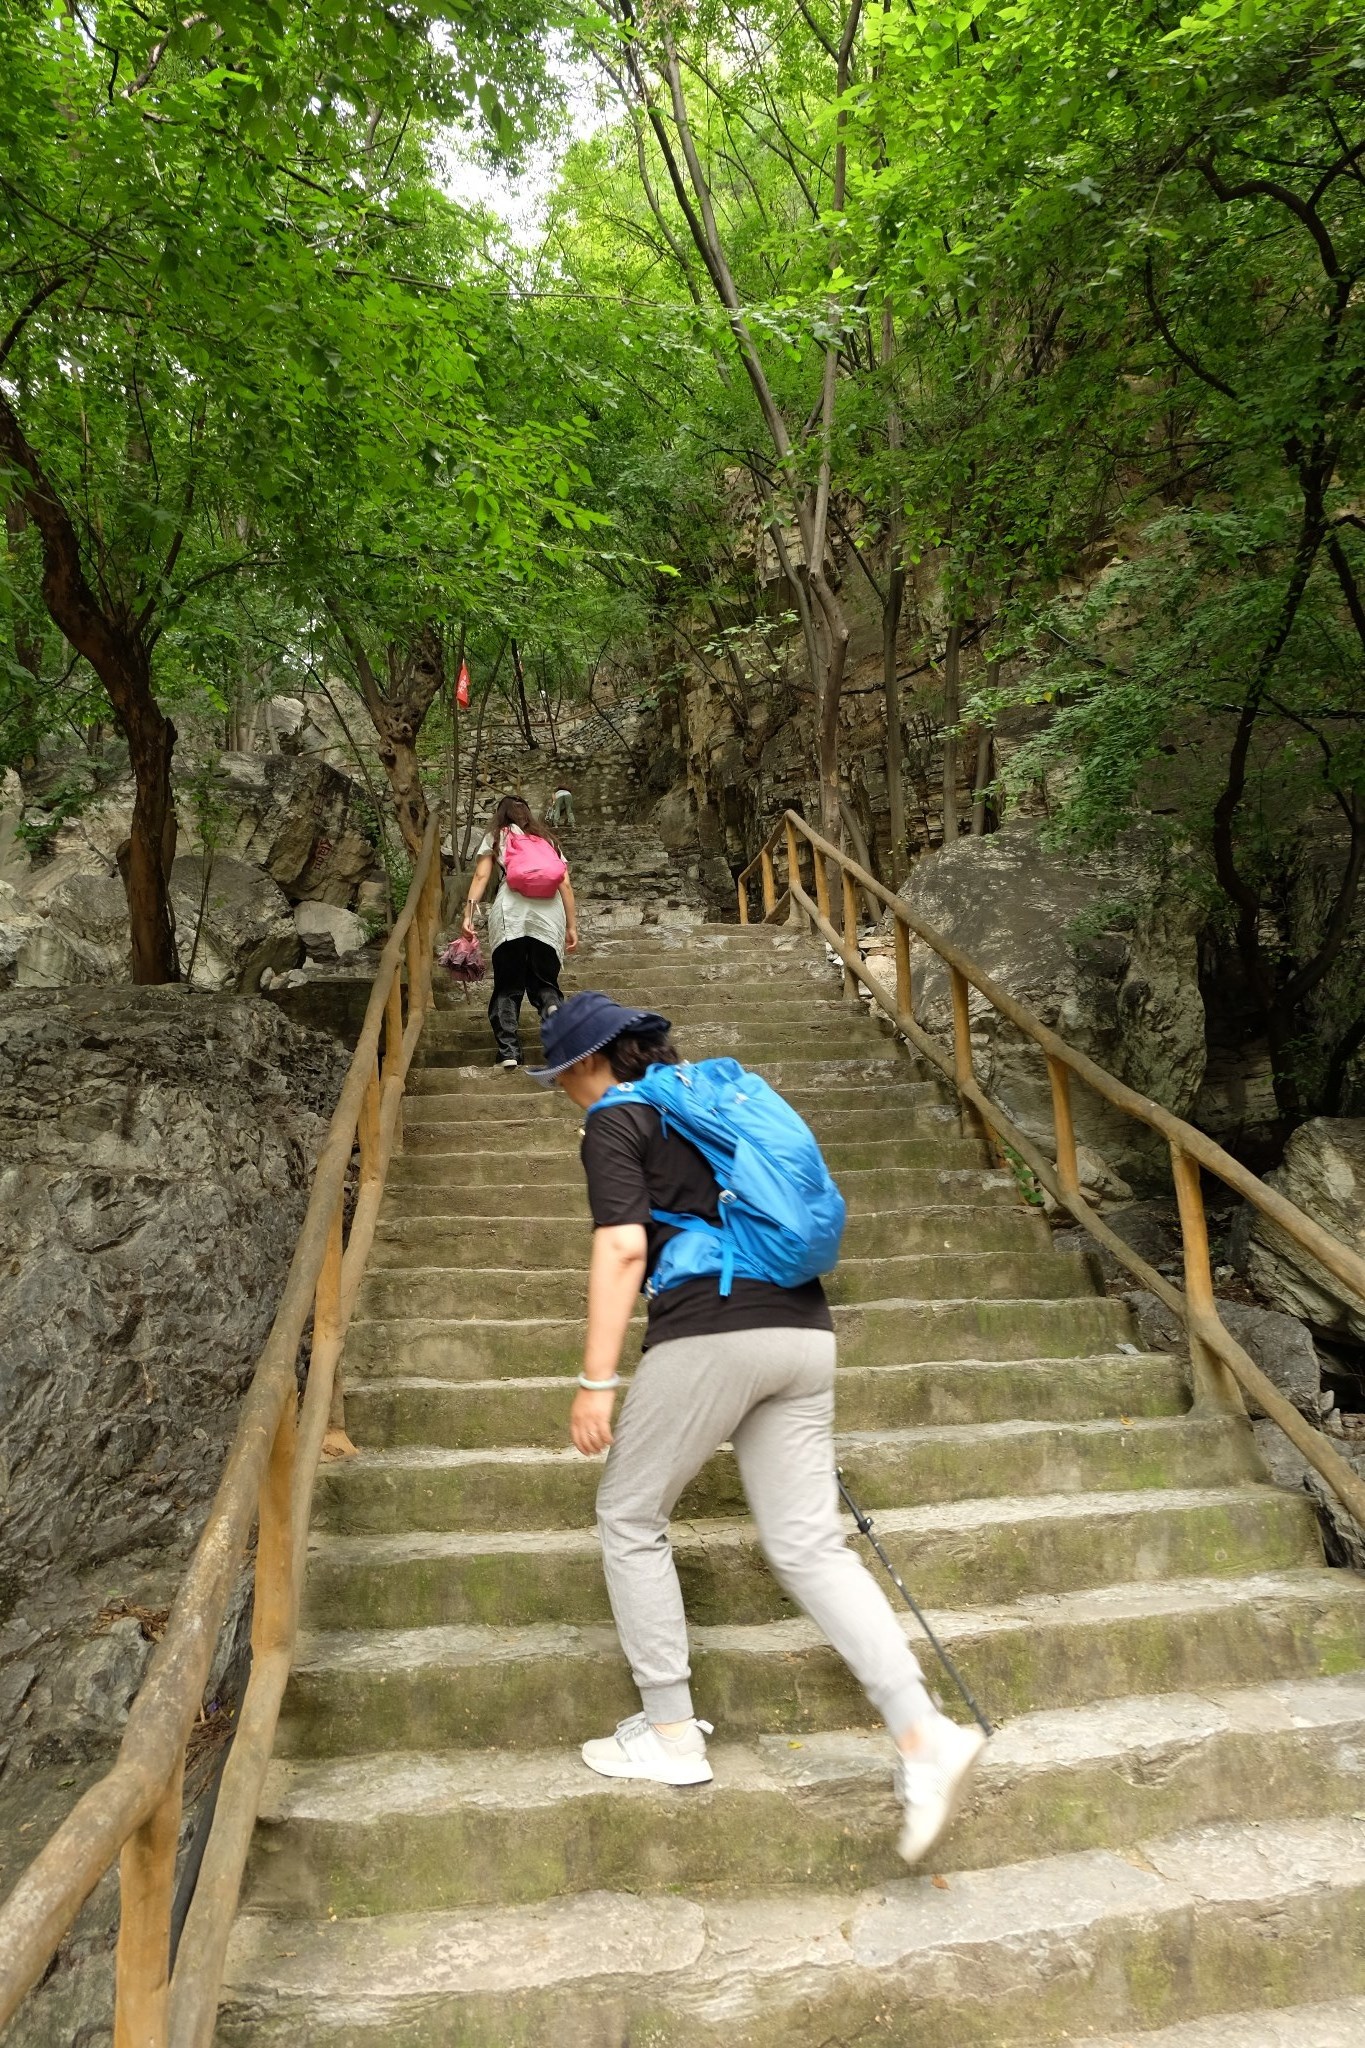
(550, 1162)
(437, 1192)
(1022, 1953)
(856, 1140)
(1019, 1548)
(917, 1109)
(360, 1690)
(728, 1003)
(897, 1333)
(426, 1487)
(469, 1415)
(528, 1411)
(886, 1077)
(556, 1240)
(427, 1291)
(393, 1834)
(753, 1046)
(1339, 2023)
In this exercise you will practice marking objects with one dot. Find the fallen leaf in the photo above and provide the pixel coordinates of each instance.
(940, 1884)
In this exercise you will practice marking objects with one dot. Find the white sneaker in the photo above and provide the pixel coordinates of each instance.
(509, 1064)
(930, 1784)
(637, 1750)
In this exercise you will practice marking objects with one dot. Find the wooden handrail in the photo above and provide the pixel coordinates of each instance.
(132, 1815)
(1222, 1370)
(762, 866)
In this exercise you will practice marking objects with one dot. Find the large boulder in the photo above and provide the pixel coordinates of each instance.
(232, 923)
(85, 937)
(157, 1149)
(1323, 1172)
(17, 926)
(328, 932)
(1096, 951)
(1278, 1343)
(308, 825)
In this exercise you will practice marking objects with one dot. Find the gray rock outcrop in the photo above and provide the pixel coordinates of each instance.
(327, 931)
(1323, 1172)
(1277, 1343)
(1093, 951)
(301, 820)
(232, 923)
(157, 1148)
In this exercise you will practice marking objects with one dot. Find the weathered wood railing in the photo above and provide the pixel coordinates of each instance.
(133, 1814)
(1222, 1370)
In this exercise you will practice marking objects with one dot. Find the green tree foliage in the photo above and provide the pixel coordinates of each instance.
(221, 232)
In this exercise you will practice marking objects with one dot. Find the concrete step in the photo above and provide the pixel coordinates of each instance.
(728, 1003)
(432, 1290)
(557, 1241)
(854, 1140)
(1339, 2023)
(393, 1834)
(424, 1487)
(896, 1333)
(1020, 1548)
(887, 1076)
(361, 1690)
(440, 1192)
(1021, 1953)
(550, 1163)
(469, 1415)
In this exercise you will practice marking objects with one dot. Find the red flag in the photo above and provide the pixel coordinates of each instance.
(462, 687)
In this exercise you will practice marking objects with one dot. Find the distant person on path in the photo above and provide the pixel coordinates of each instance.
(532, 920)
(561, 809)
(754, 1367)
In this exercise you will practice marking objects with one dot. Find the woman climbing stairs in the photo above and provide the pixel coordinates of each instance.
(1165, 1843)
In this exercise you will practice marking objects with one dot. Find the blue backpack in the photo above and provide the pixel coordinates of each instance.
(781, 1215)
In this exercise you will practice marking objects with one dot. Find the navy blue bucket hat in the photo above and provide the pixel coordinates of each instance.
(585, 1023)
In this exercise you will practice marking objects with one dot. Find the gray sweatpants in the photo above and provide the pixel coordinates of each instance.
(771, 1394)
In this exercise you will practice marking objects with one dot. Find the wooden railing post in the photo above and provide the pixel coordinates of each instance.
(903, 988)
(367, 1129)
(1214, 1386)
(1068, 1172)
(393, 1025)
(326, 1329)
(769, 882)
(797, 916)
(963, 1071)
(742, 892)
(146, 1890)
(821, 884)
(851, 990)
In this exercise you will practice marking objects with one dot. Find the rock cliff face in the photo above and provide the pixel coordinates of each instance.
(1075, 941)
(156, 1148)
(1324, 1173)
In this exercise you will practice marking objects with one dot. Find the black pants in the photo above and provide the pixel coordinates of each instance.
(521, 967)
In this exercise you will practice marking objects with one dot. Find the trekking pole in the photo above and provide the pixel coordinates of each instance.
(865, 1529)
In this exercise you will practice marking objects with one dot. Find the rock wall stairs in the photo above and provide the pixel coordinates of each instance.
(1165, 1846)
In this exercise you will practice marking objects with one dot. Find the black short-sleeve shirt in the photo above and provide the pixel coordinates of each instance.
(633, 1167)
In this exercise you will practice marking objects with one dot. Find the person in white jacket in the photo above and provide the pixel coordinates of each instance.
(528, 936)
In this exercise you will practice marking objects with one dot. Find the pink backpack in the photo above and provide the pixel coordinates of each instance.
(531, 864)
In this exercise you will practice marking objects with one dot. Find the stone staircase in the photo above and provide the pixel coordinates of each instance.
(1165, 1846)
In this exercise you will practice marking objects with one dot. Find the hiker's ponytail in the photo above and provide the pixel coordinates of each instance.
(632, 1054)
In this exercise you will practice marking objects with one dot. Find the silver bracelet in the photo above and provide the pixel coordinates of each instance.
(599, 1386)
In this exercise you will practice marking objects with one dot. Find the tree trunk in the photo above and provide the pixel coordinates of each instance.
(115, 646)
(952, 678)
(146, 855)
(891, 619)
(985, 748)
(522, 707)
